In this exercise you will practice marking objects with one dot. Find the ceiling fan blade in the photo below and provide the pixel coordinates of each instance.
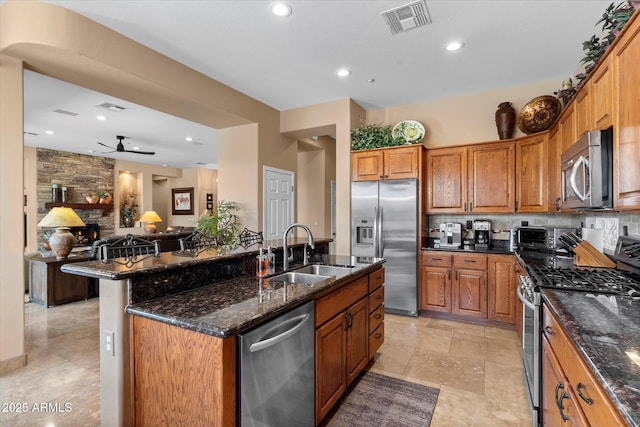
(105, 145)
(140, 152)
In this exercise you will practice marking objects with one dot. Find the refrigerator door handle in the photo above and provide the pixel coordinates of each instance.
(381, 231)
(376, 247)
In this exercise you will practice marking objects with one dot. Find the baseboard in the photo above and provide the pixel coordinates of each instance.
(9, 365)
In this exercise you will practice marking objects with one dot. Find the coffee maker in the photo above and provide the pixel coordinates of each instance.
(450, 235)
(482, 233)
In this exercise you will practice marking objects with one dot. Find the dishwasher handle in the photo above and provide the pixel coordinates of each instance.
(299, 323)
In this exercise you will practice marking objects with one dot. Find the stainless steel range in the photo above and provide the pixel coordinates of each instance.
(556, 272)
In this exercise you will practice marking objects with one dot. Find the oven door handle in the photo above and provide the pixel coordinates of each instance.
(524, 300)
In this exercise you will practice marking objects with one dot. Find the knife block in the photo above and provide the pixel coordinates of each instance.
(588, 256)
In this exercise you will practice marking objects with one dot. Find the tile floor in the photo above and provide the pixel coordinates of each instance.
(476, 368)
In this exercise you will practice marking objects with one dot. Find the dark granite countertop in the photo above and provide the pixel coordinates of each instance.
(606, 331)
(172, 260)
(497, 248)
(227, 308)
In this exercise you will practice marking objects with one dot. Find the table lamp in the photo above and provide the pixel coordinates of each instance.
(149, 218)
(62, 241)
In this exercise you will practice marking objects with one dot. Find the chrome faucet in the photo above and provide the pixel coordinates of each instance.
(285, 249)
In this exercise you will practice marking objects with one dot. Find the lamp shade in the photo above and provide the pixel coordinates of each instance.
(62, 241)
(150, 216)
(61, 217)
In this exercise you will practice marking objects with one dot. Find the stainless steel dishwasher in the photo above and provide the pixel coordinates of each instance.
(277, 371)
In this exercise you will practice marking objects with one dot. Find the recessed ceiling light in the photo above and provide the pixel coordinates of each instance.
(343, 72)
(101, 117)
(371, 80)
(280, 9)
(49, 132)
(455, 45)
(189, 139)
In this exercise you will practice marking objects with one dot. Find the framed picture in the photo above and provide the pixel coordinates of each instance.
(182, 201)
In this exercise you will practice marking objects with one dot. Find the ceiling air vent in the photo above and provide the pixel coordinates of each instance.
(407, 17)
(111, 107)
(65, 112)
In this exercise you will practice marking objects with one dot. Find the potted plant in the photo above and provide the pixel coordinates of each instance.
(222, 224)
(368, 136)
(105, 197)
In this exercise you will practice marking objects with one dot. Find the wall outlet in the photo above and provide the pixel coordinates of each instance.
(469, 224)
(109, 343)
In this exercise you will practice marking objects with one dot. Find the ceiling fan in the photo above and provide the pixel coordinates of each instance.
(120, 147)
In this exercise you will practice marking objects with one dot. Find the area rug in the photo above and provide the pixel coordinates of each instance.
(378, 400)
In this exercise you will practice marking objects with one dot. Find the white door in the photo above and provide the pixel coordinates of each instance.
(332, 246)
(278, 202)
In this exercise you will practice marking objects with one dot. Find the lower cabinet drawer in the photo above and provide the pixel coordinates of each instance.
(375, 340)
(376, 318)
(376, 299)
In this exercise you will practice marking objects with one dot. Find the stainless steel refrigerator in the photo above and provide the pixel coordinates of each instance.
(384, 219)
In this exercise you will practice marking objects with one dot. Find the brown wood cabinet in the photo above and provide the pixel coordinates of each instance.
(570, 392)
(194, 386)
(602, 95)
(50, 287)
(626, 57)
(387, 163)
(454, 283)
(447, 180)
(532, 173)
(435, 281)
(469, 285)
(476, 178)
(567, 128)
(491, 177)
(342, 337)
(583, 110)
(554, 195)
(502, 283)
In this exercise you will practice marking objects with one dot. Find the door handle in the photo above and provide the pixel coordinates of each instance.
(380, 224)
(299, 322)
(581, 387)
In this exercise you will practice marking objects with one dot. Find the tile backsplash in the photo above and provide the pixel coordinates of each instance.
(614, 224)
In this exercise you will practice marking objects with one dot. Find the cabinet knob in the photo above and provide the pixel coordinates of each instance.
(548, 330)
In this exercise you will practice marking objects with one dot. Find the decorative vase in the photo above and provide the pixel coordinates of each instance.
(505, 120)
(106, 199)
(92, 198)
(127, 221)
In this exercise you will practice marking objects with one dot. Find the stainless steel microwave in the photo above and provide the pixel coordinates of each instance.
(587, 172)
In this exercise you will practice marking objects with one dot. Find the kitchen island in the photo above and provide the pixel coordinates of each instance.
(202, 302)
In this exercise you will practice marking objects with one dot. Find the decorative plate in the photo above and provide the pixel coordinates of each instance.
(538, 114)
(410, 130)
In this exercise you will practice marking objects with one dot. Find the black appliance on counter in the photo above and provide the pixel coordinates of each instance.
(557, 272)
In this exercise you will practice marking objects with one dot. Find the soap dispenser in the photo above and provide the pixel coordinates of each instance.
(262, 264)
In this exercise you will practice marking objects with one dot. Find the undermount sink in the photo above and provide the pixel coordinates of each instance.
(299, 278)
(325, 270)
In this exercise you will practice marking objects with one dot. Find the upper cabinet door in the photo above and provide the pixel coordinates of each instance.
(386, 163)
(402, 162)
(627, 128)
(367, 165)
(602, 94)
(491, 178)
(447, 180)
(567, 127)
(583, 109)
(532, 173)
